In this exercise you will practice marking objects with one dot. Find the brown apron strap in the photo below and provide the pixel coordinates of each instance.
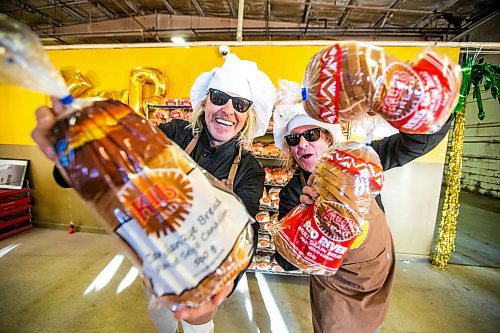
(192, 143)
(229, 182)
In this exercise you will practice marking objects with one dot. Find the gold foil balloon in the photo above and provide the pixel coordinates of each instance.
(76, 82)
(117, 95)
(94, 93)
(140, 78)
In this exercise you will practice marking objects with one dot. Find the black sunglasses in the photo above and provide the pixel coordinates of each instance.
(220, 98)
(310, 135)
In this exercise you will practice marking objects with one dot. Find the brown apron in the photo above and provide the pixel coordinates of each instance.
(356, 298)
(228, 183)
(162, 317)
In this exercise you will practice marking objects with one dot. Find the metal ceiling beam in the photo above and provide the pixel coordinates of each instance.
(476, 25)
(383, 20)
(129, 14)
(169, 7)
(440, 7)
(211, 33)
(104, 9)
(55, 5)
(70, 11)
(134, 7)
(345, 15)
(307, 10)
(26, 7)
(231, 7)
(366, 8)
(198, 8)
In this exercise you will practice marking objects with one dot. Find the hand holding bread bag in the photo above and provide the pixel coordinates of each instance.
(317, 237)
(187, 235)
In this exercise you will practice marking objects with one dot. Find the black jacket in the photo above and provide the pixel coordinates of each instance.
(394, 151)
(249, 180)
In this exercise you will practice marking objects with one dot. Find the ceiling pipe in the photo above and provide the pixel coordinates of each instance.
(485, 47)
(258, 31)
(239, 29)
(359, 8)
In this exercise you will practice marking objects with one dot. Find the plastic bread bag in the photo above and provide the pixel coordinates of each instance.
(24, 59)
(189, 237)
(352, 80)
(316, 238)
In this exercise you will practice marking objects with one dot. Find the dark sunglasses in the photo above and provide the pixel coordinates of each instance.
(310, 135)
(220, 98)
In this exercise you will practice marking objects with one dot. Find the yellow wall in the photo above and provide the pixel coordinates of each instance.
(109, 69)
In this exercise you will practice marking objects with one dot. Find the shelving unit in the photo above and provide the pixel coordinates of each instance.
(148, 110)
(272, 162)
(15, 211)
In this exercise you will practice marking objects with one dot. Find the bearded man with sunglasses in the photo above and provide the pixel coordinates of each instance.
(356, 298)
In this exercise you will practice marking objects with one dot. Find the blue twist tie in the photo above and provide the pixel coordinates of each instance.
(304, 94)
(67, 100)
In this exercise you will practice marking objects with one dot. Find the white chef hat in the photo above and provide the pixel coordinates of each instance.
(241, 77)
(290, 116)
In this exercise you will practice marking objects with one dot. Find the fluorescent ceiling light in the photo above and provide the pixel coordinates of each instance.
(178, 40)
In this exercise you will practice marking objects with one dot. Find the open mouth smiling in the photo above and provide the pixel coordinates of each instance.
(224, 122)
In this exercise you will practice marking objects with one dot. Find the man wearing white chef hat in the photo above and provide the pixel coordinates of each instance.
(305, 137)
(253, 91)
(232, 104)
(357, 297)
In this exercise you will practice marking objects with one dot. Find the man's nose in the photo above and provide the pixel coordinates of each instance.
(303, 142)
(228, 107)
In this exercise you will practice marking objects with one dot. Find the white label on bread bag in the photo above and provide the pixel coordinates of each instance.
(182, 228)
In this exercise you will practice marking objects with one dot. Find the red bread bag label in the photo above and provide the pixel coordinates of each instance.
(329, 81)
(436, 95)
(320, 241)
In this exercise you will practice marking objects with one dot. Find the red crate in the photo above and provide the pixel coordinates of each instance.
(15, 212)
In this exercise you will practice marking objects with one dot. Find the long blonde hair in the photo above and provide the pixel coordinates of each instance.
(245, 136)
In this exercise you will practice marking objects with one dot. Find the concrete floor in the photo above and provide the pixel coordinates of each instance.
(477, 241)
(46, 285)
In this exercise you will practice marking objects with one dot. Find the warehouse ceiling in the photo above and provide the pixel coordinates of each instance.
(128, 21)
